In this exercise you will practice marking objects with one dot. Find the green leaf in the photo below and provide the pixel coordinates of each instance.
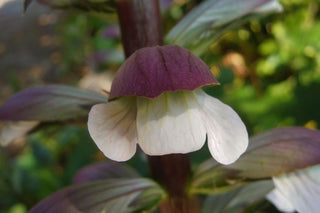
(207, 22)
(49, 103)
(237, 200)
(275, 152)
(111, 195)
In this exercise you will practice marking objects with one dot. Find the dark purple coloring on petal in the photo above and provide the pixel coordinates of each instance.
(151, 71)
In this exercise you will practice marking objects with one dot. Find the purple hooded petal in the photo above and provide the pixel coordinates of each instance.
(151, 71)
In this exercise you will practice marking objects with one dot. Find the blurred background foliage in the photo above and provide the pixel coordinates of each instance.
(269, 70)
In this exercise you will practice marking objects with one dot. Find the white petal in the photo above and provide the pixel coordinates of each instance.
(301, 188)
(227, 134)
(280, 201)
(170, 123)
(112, 127)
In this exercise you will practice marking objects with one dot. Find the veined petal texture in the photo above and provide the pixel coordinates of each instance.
(112, 127)
(170, 123)
(227, 134)
(301, 188)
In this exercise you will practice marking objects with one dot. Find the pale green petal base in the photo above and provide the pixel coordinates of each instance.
(170, 123)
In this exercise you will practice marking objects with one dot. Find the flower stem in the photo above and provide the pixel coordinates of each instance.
(140, 24)
(173, 172)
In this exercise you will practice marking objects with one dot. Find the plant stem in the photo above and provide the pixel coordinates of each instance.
(140, 25)
(173, 172)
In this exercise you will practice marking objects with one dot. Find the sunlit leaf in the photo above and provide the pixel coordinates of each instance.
(237, 200)
(269, 154)
(49, 103)
(104, 170)
(207, 22)
(112, 195)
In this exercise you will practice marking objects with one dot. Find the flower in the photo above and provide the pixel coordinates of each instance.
(297, 191)
(156, 102)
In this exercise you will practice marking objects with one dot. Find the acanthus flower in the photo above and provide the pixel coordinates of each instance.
(156, 101)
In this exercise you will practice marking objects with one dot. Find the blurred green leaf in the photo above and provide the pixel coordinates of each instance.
(18, 208)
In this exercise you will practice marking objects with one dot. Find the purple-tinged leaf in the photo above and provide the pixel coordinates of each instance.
(151, 71)
(10, 131)
(49, 103)
(280, 151)
(238, 199)
(104, 170)
(275, 152)
(112, 195)
(211, 19)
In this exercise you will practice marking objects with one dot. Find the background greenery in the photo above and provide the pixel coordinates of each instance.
(269, 71)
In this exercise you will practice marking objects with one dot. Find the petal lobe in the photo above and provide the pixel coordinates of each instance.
(227, 134)
(112, 127)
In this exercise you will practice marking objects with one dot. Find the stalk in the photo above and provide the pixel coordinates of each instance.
(173, 172)
(140, 24)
